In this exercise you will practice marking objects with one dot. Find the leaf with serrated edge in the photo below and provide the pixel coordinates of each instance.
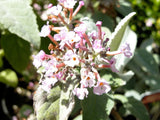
(117, 35)
(18, 17)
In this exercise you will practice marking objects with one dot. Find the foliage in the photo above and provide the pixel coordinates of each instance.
(137, 79)
(148, 21)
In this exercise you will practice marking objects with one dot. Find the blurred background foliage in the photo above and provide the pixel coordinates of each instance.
(18, 78)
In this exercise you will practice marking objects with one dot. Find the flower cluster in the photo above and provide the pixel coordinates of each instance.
(75, 48)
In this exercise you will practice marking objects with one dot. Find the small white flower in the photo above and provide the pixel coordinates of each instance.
(45, 30)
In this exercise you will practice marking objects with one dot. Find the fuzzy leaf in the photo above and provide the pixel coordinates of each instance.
(9, 77)
(118, 33)
(46, 105)
(131, 38)
(58, 104)
(112, 78)
(67, 98)
(17, 51)
(18, 17)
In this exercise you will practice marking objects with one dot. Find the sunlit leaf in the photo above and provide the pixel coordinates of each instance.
(131, 38)
(56, 105)
(9, 77)
(118, 33)
(1, 56)
(18, 17)
(114, 80)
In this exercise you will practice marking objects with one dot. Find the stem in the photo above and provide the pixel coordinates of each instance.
(81, 3)
(69, 47)
(53, 40)
(98, 24)
(81, 44)
(70, 15)
(60, 65)
(86, 38)
(103, 66)
(62, 19)
(83, 48)
(113, 53)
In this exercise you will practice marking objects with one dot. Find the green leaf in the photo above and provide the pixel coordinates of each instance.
(18, 17)
(133, 93)
(117, 35)
(134, 106)
(9, 77)
(17, 51)
(147, 45)
(46, 105)
(79, 117)
(152, 80)
(58, 104)
(124, 7)
(112, 78)
(67, 98)
(1, 56)
(106, 20)
(131, 38)
(148, 65)
(97, 107)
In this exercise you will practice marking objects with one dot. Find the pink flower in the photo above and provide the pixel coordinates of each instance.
(61, 35)
(45, 30)
(101, 87)
(71, 59)
(80, 29)
(126, 50)
(99, 23)
(48, 83)
(93, 34)
(81, 3)
(97, 46)
(67, 3)
(89, 80)
(55, 10)
(80, 93)
(39, 58)
(112, 65)
(73, 37)
(83, 72)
